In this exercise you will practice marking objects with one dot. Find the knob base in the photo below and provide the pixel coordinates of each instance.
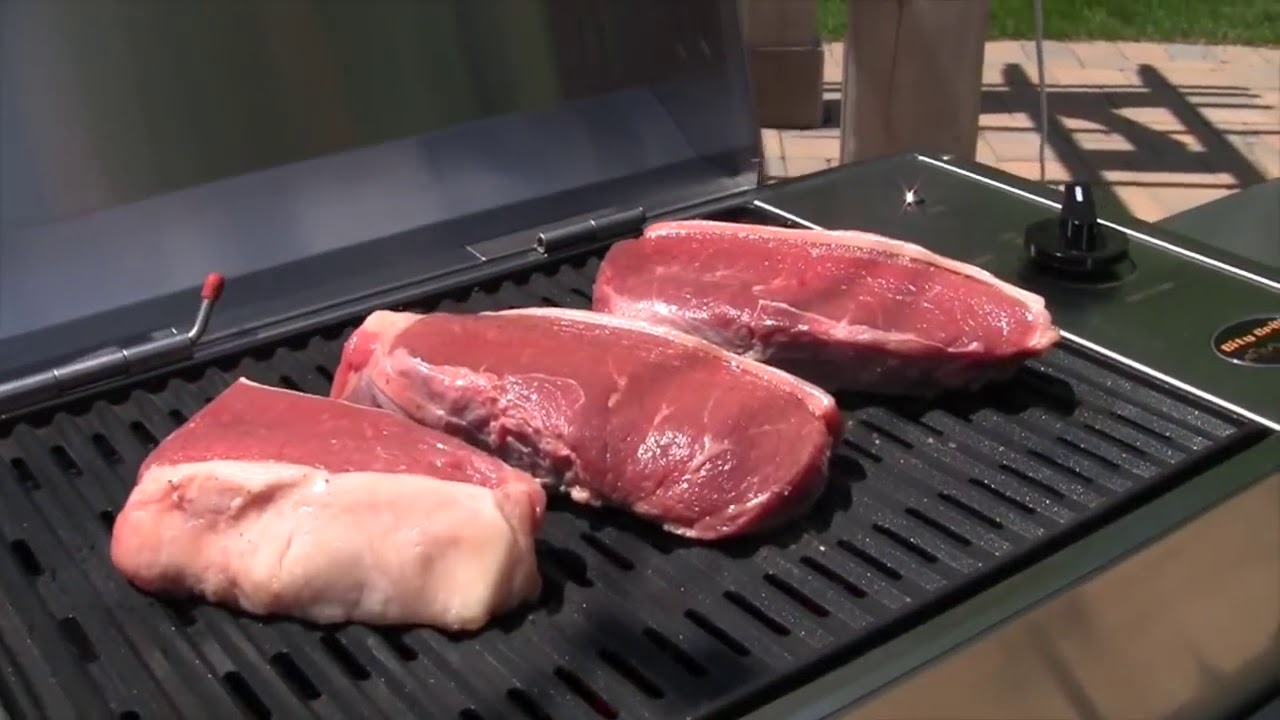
(1052, 251)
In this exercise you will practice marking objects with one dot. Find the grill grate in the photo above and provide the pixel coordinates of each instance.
(928, 503)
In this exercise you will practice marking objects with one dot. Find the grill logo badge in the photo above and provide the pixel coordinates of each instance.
(1255, 341)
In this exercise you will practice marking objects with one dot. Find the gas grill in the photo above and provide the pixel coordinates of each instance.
(949, 525)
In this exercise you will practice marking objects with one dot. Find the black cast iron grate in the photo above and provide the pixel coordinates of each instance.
(929, 503)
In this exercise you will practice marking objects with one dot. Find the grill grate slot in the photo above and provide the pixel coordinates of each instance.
(939, 527)
(929, 503)
(246, 697)
(859, 449)
(26, 478)
(75, 636)
(1069, 469)
(106, 449)
(324, 374)
(970, 510)
(395, 640)
(631, 673)
(1127, 439)
(608, 552)
(143, 435)
(772, 624)
(180, 613)
(586, 693)
(847, 466)
(879, 565)
(797, 595)
(527, 706)
(295, 676)
(1076, 446)
(342, 655)
(717, 633)
(1153, 431)
(26, 558)
(675, 652)
(885, 434)
(906, 543)
(1036, 482)
(835, 578)
(1001, 495)
(564, 563)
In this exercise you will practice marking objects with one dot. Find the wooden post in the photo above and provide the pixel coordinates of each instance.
(784, 58)
(912, 77)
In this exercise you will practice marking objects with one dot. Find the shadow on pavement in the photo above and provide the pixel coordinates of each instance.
(1186, 144)
(1151, 150)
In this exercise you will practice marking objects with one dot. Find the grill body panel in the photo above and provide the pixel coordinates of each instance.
(929, 503)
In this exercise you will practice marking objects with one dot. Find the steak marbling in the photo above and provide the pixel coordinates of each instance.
(616, 412)
(847, 310)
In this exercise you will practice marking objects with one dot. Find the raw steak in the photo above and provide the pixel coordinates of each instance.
(846, 310)
(281, 503)
(614, 411)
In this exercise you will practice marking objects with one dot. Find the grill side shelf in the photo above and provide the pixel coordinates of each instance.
(928, 504)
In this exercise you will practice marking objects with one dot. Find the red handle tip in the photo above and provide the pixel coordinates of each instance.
(212, 289)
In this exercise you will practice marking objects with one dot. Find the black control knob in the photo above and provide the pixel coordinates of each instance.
(1075, 244)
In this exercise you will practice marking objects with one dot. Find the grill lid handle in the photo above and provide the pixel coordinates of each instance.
(167, 347)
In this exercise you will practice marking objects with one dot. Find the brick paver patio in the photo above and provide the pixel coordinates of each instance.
(1164, 127)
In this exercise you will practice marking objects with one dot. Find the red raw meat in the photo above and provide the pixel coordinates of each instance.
(277, 502)
(614, 411)
(846, 310)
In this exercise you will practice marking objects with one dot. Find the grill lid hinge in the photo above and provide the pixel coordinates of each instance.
(591, 230)
(164, 348)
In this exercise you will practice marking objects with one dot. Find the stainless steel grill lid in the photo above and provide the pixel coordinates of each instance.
(312, 150)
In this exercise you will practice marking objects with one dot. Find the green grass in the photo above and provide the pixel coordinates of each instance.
(1218, 22)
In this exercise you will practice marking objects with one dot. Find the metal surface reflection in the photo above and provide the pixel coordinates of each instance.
(114, 101)
(1136, 641)
(243, 137)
